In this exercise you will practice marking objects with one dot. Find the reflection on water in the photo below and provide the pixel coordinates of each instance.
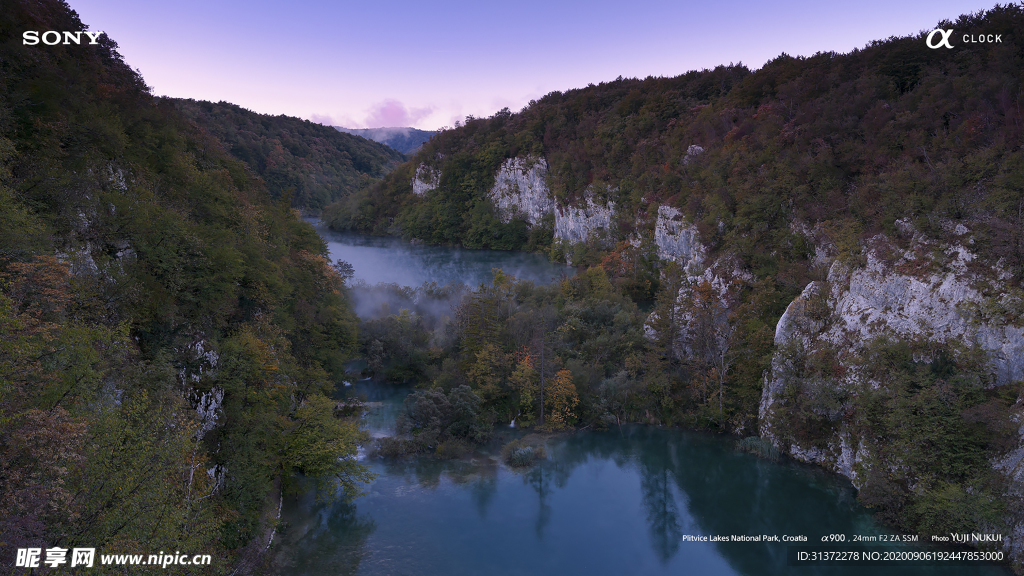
(377, 259)
(330, 540)
(384, 401)
(613, 502)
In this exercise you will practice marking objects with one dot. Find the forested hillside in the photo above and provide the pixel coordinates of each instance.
(316, 164)
(777, 173)
(853, 140)
(832, 248)
(168, 328)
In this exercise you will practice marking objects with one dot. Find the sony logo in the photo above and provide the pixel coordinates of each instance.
(51, 37)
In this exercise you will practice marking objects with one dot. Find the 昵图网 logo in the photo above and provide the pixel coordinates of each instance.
(53, 37)
(944, 35)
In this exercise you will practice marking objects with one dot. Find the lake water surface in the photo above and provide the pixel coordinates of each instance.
(620, 501)
(624, 501)
(385, 259)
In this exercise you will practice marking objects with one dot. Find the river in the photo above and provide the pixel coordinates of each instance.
(628, 500)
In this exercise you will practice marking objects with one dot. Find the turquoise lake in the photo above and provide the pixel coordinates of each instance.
(623, 501)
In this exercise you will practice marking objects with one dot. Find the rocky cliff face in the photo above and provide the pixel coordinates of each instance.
(676, 239)
(589, 217)
(425, 180)
(902, 295)
(520, 189)
(930, 293)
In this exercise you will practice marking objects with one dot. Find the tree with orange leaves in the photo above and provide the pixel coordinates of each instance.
(562, 399)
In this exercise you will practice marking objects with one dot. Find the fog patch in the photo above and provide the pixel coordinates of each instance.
(432, 301)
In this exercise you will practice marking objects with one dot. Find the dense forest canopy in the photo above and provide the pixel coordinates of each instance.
(853, 141)
(316, 164)
(145, 274)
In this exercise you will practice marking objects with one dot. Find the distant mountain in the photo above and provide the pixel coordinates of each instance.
(405, 140)
(318, 164)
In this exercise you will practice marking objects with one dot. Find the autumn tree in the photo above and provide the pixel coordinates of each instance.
(708, 338)
(323, 448)
(562, 400)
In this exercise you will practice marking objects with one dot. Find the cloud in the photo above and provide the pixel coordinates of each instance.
(332, 120)
(393, 113)
(322, 119)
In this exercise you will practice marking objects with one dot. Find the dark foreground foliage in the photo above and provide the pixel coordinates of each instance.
(145, 274)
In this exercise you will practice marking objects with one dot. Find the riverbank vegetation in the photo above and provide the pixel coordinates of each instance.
(942, 420)
(580, 353)
(554, 357)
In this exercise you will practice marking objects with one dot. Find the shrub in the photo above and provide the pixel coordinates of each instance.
(391, 447)
(452, 449)
(434, 416)
(519, 454)
(759, 447)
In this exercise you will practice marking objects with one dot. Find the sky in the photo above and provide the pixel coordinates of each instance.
(426, 64)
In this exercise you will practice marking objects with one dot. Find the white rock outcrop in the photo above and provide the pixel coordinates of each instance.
(425, 180)
(691, 153)
(677, 239)
(578, 223)
(888, 298)
(520, 189)
(209, 408)
(796, 322)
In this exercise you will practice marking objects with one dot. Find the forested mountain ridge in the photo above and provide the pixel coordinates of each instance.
(836, 137)
(168, 329)
(404, 139)
(316, 164)
(834, 248)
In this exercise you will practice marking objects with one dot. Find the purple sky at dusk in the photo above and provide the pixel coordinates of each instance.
(428, 64)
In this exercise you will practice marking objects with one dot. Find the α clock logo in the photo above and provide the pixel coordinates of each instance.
(944, 41)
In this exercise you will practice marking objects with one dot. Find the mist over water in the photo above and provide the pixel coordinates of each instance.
(428, 300)
(628, 500)
(381, 259)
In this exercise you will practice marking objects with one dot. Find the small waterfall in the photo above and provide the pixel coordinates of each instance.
(513, 423)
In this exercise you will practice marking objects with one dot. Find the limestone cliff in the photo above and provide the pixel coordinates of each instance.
(907, 297)
(425, 180)
(677, 239)
(520, 189)
(935, 296)
(585, 219)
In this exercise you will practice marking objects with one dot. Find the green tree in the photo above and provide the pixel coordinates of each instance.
(323, 448)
